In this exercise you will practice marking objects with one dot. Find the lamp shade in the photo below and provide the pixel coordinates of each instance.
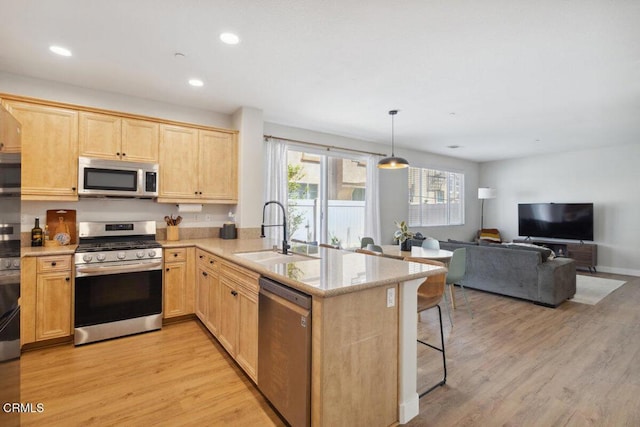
(393, 162)
(486, 193)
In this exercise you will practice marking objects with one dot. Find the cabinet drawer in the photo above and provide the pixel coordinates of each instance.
(246, 278)
(175, 255)
(207, 260)
(50, 264)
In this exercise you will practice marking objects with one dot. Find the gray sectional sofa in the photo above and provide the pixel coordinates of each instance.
(518, 271)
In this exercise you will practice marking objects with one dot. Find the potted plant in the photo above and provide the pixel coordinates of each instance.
(403, 235)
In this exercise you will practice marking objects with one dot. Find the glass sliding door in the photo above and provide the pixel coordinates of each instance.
(326, 197)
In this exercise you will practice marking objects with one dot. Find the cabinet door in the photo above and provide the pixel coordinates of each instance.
(9, 132)
(202, 294)
(100, 135)
(247, 351)
(139, 141)
(50, 136)
(53, 305)
(228, 328)
(214, 315)
(218, 167)
(176, 295)
(178, 160)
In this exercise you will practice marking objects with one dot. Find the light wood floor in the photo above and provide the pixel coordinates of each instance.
(176, 376)
(519, 364)
(513, 364)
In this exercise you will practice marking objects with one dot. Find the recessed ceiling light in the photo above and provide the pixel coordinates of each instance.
(229, 38)
(453, 146)
(196, 82)
(59, 50)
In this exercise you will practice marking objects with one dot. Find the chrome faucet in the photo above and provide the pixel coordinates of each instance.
(285, 245)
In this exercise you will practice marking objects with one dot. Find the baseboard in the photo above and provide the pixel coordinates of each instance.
(615, 270)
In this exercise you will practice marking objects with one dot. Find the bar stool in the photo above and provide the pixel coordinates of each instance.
(430, 293)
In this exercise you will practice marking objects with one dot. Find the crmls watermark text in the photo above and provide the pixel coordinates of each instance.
(23, 408)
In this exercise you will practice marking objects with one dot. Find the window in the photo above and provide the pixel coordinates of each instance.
(326, 197)
(435, 197)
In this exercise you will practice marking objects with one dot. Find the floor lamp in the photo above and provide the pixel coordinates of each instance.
(485, 193)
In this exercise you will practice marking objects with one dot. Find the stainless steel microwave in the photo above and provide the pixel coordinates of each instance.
(99, 177)
(10, 173)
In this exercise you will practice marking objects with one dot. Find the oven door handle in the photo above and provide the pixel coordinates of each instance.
(131, 268)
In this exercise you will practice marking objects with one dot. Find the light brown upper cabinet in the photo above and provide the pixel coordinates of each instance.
(9, 132)
(50, 137)
(118, 138)
(198, 165)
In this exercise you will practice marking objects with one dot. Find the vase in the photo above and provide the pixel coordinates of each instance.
(406, 245)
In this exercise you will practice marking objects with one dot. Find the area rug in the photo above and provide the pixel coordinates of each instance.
(591, 289)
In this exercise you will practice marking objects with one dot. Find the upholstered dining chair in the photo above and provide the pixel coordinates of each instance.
(374, 248)
(430, 293)
(430, 243)
(366, 241)
(457, 269)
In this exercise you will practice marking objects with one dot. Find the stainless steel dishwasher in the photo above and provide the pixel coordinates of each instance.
(284, 350)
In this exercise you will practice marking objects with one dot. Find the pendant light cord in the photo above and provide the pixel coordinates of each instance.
(392, 113)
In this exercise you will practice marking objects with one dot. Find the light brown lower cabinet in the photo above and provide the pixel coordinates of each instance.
(178, 282)
(46, 295)
(208, 290)
(227, 304)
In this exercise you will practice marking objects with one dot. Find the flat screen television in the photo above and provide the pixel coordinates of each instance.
(572, 221)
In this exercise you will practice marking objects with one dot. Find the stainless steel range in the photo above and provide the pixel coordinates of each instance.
(118, 280)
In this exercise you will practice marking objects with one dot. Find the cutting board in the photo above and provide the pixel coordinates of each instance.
(69, 217)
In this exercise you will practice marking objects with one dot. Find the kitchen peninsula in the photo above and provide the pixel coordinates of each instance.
(363, 315)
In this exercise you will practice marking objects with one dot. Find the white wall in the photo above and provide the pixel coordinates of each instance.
(394, 191)
(608, 177)
(112, 209)
(394, 196)
(393, 184)
(251, 166)
(52, 91)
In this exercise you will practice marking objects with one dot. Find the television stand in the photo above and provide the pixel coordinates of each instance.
(584, 254)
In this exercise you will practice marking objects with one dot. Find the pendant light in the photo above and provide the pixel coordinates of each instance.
(393, 162)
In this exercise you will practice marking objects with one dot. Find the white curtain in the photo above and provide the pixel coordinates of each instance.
(372, 200)
(275, 185)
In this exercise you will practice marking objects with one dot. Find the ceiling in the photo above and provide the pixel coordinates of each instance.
(497, 78)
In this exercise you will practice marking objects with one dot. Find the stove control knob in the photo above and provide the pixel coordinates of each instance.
(87, 257)
(101, 257)
(140, 254)
(7, 263)
(121, 255)
(16, 263)
(152, 253)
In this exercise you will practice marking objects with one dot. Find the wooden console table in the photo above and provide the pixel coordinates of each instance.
(584, 254)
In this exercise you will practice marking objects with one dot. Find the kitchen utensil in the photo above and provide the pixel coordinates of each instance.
(167, 220)
(178, 220)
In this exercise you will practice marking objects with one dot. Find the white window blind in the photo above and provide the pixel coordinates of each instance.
(435, 197)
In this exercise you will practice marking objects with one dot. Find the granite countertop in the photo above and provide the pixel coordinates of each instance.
(322, 272)
(47, 250)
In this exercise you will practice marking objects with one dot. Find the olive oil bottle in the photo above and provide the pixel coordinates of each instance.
(36, 234)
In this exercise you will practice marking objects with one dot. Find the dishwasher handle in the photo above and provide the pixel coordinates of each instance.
(296, 297)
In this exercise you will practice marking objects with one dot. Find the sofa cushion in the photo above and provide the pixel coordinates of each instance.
(460, 242)
(492, 244)
(545, 253)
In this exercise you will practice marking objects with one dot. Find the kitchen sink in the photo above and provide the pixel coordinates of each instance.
(270, 257)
